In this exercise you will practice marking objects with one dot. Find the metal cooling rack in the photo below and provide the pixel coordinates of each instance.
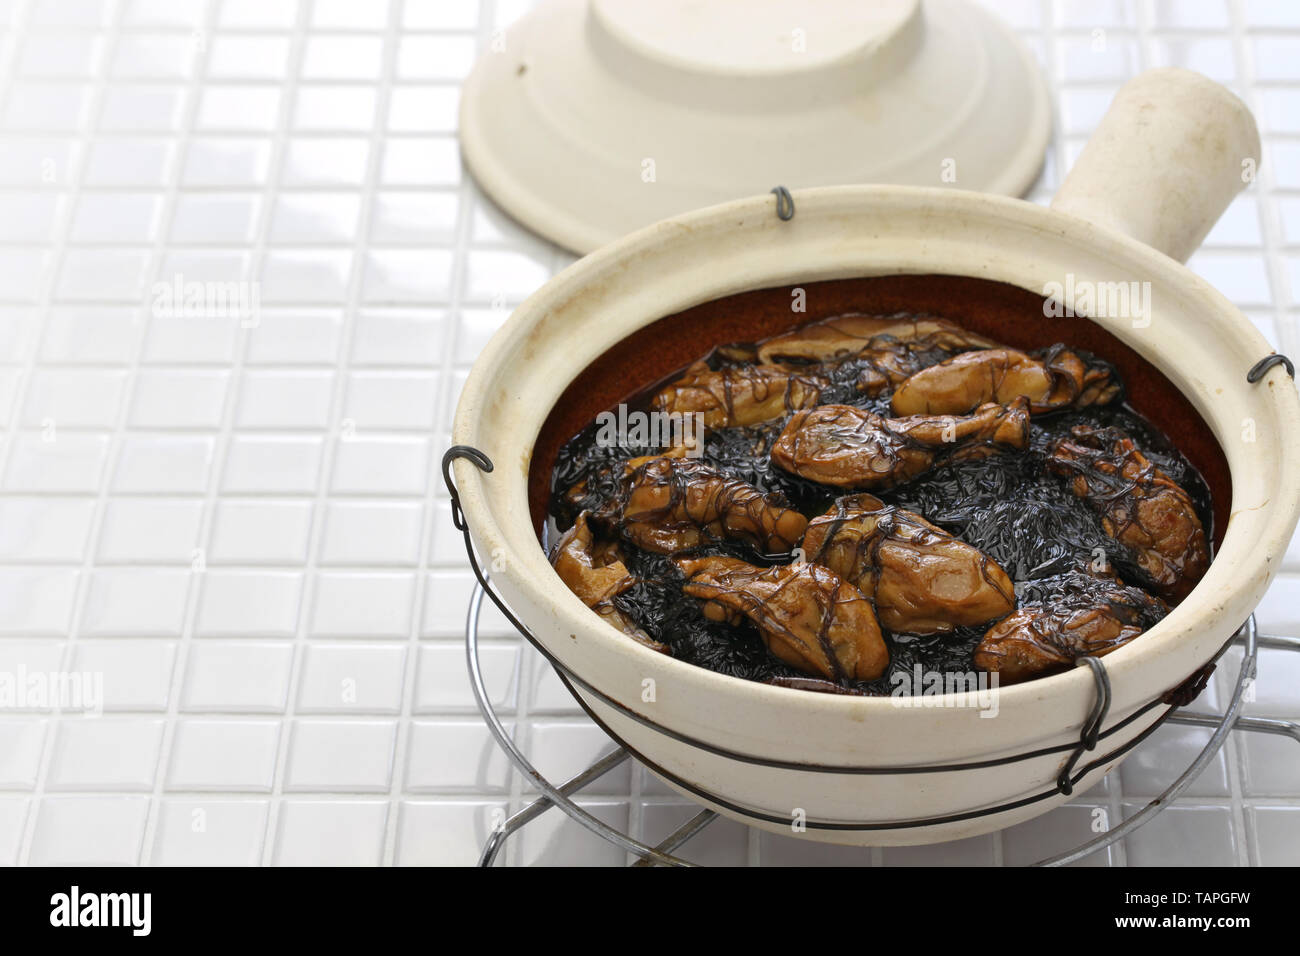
(560, 795)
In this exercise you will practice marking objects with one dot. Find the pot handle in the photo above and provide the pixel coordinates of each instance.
(1169, 155)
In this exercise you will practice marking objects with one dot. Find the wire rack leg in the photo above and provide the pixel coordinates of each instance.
(497, 838)
(1223, 726)
(549, 790)
(683, 833)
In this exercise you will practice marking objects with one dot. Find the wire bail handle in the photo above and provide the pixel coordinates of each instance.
(1261, 368)
(784, 203)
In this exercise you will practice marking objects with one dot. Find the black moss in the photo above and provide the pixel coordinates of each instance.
(1007, 506)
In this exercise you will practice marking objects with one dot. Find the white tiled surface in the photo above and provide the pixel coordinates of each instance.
(239, 524)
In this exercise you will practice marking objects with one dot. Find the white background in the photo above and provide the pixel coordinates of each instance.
(236, 525)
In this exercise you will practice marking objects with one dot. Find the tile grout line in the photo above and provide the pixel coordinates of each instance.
(9, 57)
(194, 588)
(1265, 196)
(411, 646)
(306, 592)
(529, 661)
(84, 136)
(1266, 209)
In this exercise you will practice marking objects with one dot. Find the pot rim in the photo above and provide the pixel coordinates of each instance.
(1002, 212)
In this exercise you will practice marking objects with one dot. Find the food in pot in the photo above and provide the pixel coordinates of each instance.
(921, 578)
(740, 395)
(848, 447)
(1065, 618)
(870, 354)
(596, 573)
(1020, 515)
(1053, 379)
(844, 336)
(1139, 505)
(806, 614)
(673, 505)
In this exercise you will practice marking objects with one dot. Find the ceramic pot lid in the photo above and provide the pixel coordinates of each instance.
(588, 119)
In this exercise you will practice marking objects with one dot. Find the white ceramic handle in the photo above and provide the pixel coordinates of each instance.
(1169, 155)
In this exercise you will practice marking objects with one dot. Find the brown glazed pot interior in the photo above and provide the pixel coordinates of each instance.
(1000, 311)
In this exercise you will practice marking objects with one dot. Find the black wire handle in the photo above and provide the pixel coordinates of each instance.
(784, 203)
(478, 458)
(1261, 368)
(1092, 726)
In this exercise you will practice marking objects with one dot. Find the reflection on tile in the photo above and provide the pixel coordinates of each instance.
(1059, 831)
(106, 754)
(431, 161)
(774, 850)
(309, 218)
(555, 840)
(330, 832)
(561, 749)
(1212, 56)
(435, 57)
(413, 217)
(246, 108)
(248, 57)
(333, 161)
(455, 755)
(1149, 770)
(339, 678)
(129, 162)
(403, 276)
(252, 604)
(199, 832)
(215, 219)
(330, 57)
(223, 754)
(13, 820)
(445, 832)
(1276, 832)
(1271, 767)
(362, 604)
(130, 602)
(226, 162)
(237, 676)
(139, 109)
(722, 843)
(442, 683)
(371, 533)
(975, 851)
(334, 108)
(423, 109)
(89, 831)
(305, 276)
(155, 56)
(260, 532)
(346, 15)
(258, 14)
(341, 754)
(136, 673)
(1183, 835)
